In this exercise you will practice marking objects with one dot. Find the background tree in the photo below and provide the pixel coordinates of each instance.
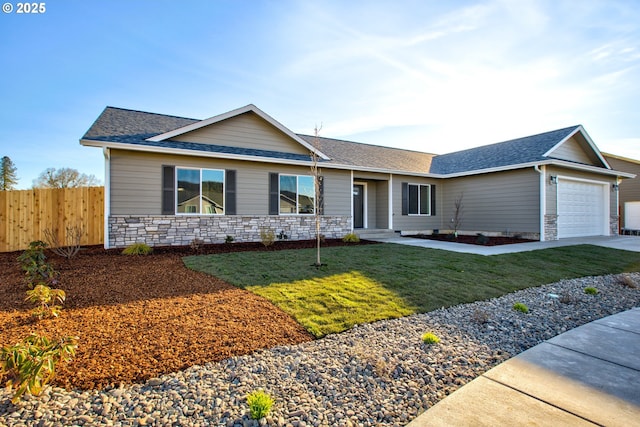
(64, 178)
(8, 178)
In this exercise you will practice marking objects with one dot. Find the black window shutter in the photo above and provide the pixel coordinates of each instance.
(274, 196)
(405, 198)
(168, 190)
(321, 195)
(433, 200)
(230, 192)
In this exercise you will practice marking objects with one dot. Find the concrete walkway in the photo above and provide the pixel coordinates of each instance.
(627, 243)
(584, 377)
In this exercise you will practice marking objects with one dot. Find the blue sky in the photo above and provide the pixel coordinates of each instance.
(435, 76)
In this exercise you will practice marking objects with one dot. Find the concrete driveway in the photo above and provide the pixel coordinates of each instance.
(627, 243)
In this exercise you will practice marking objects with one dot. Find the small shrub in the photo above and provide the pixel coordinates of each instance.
(430, 338)
(137, 249)
(260, 404)
(229, 239)
(589, 290)
(31, 364)
(196, 244)
(47, 300)
(71, 244)
(282, 236)
(521, 307)
(566, 299)
(34, 263)
(267, 237)
(351, 238)
(482, 239)
(626, 280)
(480, 316)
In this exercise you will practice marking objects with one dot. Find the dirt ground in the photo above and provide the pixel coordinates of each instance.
(138, 317)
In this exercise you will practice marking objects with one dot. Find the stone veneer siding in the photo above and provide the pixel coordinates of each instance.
(551, 227)
(614, 225)
(179, 230)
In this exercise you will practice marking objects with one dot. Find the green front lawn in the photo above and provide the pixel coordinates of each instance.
(361, 284)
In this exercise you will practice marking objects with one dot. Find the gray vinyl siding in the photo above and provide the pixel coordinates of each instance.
(574, 151)
(136, 183)
(629, 188)
(414, 222)
(247, 130)
(497, 202)
(552, 189)
(382, 207)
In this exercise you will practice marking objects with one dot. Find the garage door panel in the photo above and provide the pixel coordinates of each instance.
(580, 209)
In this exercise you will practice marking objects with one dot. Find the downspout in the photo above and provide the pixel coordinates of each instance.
(107, 194)
(543, 199)
(351, 192)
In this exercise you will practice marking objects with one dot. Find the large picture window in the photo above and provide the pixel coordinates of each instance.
(297, 194)
(419, 199)
(200, 191)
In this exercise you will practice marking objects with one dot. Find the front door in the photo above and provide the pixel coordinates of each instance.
(358, 206)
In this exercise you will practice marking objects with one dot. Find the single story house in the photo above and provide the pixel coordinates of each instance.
(629, 198)
(249, 173)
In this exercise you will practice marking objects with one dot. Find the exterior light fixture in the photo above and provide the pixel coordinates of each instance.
(615, 187)
(553, 179)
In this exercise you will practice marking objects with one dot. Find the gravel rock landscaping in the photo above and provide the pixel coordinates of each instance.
(376, 374)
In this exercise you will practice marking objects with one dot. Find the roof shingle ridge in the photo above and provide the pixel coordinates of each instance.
(150, 113)
(368, 144)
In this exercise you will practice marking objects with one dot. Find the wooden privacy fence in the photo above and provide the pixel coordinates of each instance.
(26, 214)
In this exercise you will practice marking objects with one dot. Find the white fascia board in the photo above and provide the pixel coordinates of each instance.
(233, 113)
(586, 136)
(562, 163)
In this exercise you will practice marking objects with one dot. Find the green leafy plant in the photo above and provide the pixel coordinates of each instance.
(34, 263)
(521, 307)
(137, 249)
(229, 239)
(267, 237)
(590, 290)
(260, 404)
(430, 338)
(351, 238)
(46, 300)
(31, 364)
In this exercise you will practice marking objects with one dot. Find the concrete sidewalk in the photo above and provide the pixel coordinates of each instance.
(584, 377)
(627, 243)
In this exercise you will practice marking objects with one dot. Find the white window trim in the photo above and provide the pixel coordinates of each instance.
(201, 213)
(409, 184)
(297, 213)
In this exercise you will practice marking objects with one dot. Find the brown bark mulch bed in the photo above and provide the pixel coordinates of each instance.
(138, 317)
(474, 240)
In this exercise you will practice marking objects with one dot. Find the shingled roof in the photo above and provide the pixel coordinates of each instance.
(513, 152)
(124, 126)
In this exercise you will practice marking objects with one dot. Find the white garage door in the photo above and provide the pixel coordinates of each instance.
(580, 209)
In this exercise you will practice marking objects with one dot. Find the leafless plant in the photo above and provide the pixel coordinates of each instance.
(71, 244)
(458, 208)
(317, 179)
(627, 280)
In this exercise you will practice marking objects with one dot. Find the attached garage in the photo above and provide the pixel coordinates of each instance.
(582, 208)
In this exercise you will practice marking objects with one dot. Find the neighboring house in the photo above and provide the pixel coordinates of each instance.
(629, 204)
(170, 180)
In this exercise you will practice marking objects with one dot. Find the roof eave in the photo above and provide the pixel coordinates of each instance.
(233, 113)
